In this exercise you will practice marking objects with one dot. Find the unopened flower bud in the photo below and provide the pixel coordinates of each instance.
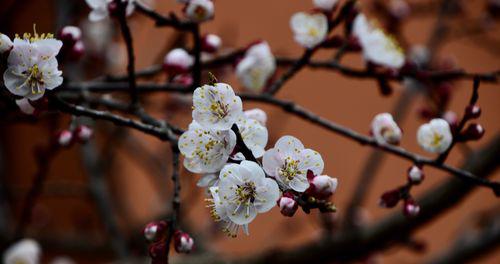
(411, 208)
(199, 10)
(157, 252)
(64, 138)
(77, 51)
(256, 114)
(415, 174)
(113, 8)
(385, 129)
(473, 132)
(472, 111)
(325, 5)
(83, 133)
(183, 243)
(211, 43)
(322, 186)
(399, 9)
(184, 79)
(5, 43)
(177, 61)
(288, 205)
(452, 119)
(390, 199)
(70, 35)
(154, 231)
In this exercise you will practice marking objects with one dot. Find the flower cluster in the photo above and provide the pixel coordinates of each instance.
(224, 143)
(32, 66)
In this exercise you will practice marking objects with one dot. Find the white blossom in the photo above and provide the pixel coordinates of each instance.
(26, 251)
(216, 106)
(435, 136)
(257, 114)
(32, 66)
(245, 191)
(218, 212)
(258, 65)
(208, 180)
(5, 43)
(254, 135)
(378, 47)
(289, 162)
(178, 61)
(385, 129)
(100, 9)
(309, 29)
(325, 5)
(199, 10)
(205, 150)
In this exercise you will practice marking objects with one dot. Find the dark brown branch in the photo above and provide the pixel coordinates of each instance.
(176, 196)
(162, 21)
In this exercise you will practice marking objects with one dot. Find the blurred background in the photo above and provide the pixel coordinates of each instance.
(135, 167)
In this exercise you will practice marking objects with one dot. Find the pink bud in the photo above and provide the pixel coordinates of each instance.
(64, 138)
(473, 132)
(154, 231)
(472, 111)
(411, 208)
(183, 79)
(83, 133)
(322, 186)
(390, 199)
(158, 253)
(183, 243)
(77, 51)
(415, 175)
(211, 43)
(399, 9)
(288, 205)
(452, 118)
(70, 35)
(177, 61)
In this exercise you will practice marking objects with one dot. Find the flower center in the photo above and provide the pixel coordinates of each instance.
(200, 12)
(436, 139)
(313, 32)
(34, 79)
(246, 192)
(289, 169)
(219, 109)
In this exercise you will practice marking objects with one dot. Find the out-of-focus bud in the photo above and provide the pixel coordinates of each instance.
(183, 243)
(473, 132)
(257, 114)
(390, 199)
(70, 35)
(199, 10)
(64, 138)
(5, 43)
(322, 186)
(325, 5)
(399, 9)
(24, 251)
(415, 174)
(183, 79)
(113, 8)
(385, 130)
(452, 119)
(211, 43)
(472, 111)
(77, 51)
(157, 252)
(25, 106)
(288, 205)
(154, 231)
(177, 61)
(411, 208)
(83, 133)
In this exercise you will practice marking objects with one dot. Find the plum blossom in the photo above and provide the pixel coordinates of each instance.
(322, 186)
(32, 66)
(208, 180)
(100, 9)
(178, 61)
(26, 251)
(289, 162)
(254, 135)
(256, 114)
(216, 106)
(258, 65)
(378, 47)
(199, 10)
(5, 43)
(206, 150)
(385, 130)
(309, 29)
(435, 136)
(325, 5)
(219, 213)
(415, 174)
(245, 191)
